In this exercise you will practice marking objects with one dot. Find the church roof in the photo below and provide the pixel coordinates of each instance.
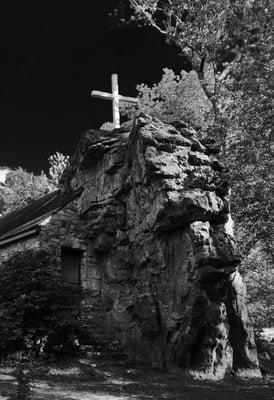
(26, 220)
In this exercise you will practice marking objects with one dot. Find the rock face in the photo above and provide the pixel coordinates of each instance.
(154, 205)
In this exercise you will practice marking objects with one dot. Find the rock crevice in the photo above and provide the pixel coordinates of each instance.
(155, 202)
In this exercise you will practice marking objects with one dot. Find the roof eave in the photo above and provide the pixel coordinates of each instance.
(19, 236)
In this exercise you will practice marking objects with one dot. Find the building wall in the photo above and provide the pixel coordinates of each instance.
(24, 244)
(65, 228)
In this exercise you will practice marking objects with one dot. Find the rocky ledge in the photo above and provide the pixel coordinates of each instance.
(155, 205)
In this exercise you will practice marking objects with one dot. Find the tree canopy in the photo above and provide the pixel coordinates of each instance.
(22, 187)
(205, 30)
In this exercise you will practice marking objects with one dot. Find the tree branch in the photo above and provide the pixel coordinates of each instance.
(148, 17)
(227, 69)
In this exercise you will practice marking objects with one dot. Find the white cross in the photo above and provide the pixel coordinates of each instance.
(115, 97)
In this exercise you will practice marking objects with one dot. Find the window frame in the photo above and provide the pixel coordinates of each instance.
(79, 253)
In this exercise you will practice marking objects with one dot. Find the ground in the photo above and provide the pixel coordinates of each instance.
(97, 375)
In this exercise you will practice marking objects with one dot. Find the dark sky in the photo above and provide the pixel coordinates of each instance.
(51, 58)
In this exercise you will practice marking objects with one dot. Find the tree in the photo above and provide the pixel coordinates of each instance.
(249, 144)
(39, 312)
(205, 31)
(173, 97)
(58, 163)
(22, 187)
(258, 273)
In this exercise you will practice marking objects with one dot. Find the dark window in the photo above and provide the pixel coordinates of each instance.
(71, 260)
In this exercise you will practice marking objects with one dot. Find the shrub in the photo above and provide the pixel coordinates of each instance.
(175, 97)
(39, 312)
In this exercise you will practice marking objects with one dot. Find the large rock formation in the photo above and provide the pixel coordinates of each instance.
(163, 269)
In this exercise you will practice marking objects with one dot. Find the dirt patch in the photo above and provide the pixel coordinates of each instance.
(97, 376)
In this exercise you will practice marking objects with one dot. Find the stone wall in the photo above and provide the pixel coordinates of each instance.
(68, 229)
(24, 244)
(64, 228)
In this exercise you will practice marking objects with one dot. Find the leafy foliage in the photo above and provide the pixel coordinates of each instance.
(172, 97)
(204, 30)
(39, 312)
(250, 153)
(107, 126)
(22, 187)
(258, 273)
(58, 163)
(244, 118)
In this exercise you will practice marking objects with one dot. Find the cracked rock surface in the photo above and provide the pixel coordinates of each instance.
(166, 281)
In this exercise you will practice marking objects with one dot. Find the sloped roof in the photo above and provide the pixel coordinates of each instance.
(27, 218)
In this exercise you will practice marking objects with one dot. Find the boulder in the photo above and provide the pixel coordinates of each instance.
(154, 206)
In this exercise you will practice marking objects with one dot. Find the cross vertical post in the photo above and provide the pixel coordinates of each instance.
(115, 102)
(115, 97)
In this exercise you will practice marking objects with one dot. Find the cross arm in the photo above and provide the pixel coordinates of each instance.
(101, 95)
(128, 99)
(108, 96)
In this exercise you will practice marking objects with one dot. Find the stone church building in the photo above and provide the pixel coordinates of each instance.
(139, 220)
(52, 223)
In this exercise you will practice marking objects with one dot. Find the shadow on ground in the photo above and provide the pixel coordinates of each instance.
(98, 376)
